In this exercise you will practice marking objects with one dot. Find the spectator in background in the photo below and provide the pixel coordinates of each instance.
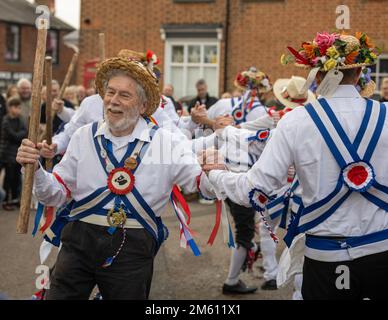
(168, 91)
(14, 130)
(64, 109)
(2, 198)
(384, 90)
(202, 96)
(3, 108)
(3, 112)
(12, 91)
(71, 95)
(24, 87)
(81, 93)
(43, 94)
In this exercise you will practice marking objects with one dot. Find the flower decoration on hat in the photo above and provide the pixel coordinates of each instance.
(253, 79)
(152, 60)
(333, 50)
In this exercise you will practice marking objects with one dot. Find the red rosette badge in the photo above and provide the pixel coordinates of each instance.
(358, 176)
(238, 115)
(121, 181)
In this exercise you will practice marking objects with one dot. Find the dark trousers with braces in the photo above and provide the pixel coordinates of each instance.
(85, 248)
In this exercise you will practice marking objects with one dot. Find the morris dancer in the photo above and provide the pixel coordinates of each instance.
(241, 109)
(120, 183)
(337, 147)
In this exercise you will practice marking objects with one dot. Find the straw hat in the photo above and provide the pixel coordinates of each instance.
(329, 51)
(368, 90)
(138, 66)
(288, 92)
(253, 79)
(366, 86)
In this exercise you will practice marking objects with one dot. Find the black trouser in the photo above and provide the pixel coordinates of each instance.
(84, 250)
(12, 181)
(244, 219)
(368, 278)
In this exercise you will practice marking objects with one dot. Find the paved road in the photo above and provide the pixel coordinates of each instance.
(178, 274)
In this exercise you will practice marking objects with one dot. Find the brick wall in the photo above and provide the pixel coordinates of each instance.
(28, 47)
(259, 31)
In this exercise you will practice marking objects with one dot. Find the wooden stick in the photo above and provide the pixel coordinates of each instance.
(25, 205)
(68, 76)
(101, 46)
(49, 116)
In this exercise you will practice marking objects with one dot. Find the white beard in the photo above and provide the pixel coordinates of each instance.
(129, 119)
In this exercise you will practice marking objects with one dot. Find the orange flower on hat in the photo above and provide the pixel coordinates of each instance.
(351, 57)
(309, 49)
(363, 37)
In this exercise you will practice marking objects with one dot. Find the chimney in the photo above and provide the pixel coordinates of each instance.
(49, 3)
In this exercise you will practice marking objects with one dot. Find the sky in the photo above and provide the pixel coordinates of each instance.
(68, 11)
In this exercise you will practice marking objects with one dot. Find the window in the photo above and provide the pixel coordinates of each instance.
(12, 43)
(188, 61)
(380, 70)
(52, 48)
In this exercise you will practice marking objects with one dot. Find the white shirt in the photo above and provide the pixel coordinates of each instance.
(184, 123)
(82, 172)
(263, 122)
(66, 114)
(298, 142)
(238, 152)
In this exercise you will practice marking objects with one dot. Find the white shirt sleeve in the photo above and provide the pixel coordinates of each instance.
(169, 109)
(238, 152)
(269, 173)
(187, 124)
(263, 122)
(66, 114)
(188, 171)
(203, 143)
(79, 119)
(53, 189)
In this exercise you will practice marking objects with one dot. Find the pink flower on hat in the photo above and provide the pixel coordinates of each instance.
(325, 40)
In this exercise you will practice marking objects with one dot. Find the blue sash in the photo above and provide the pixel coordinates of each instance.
(240, 115)
(356, 172)
(133, 203)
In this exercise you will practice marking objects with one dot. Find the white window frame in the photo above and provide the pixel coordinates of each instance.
(378, 75)
(187, 42)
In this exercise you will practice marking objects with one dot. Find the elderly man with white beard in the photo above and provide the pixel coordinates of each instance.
(115, 179)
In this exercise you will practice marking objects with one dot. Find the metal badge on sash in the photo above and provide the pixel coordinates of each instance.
(116, 218)
(130, 163)
(121, 181)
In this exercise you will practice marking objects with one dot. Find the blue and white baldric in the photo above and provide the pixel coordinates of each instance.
(279, 207)
(356, 172)
(356, 175)
(91, 208)
(240, 108)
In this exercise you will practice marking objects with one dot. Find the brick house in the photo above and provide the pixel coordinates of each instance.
(18, 36)
(214, 39)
